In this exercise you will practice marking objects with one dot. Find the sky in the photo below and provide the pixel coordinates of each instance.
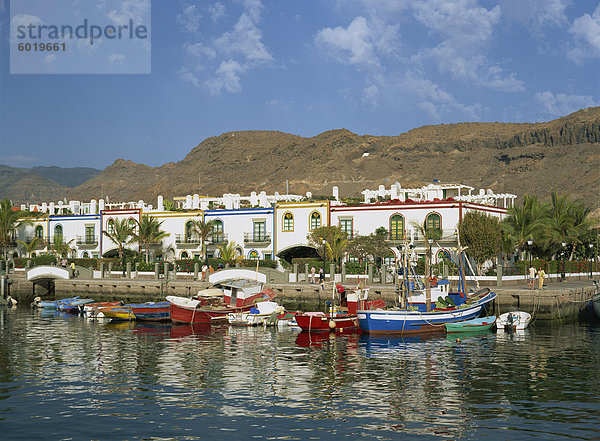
(377, 67)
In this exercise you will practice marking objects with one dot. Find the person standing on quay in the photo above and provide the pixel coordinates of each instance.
(312, 275)
(532, 272)
(541, 275)
(204, 268)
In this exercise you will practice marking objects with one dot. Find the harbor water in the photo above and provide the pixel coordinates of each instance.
(67, 377)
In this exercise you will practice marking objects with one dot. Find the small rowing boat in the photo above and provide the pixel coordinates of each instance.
(476, 324)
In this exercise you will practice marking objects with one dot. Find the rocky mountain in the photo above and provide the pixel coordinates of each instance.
(537, 158)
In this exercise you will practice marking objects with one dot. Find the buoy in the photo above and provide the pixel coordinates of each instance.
(458, 340)
(331, 324)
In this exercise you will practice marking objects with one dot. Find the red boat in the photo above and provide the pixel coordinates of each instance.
(208, 309)
(339, 319)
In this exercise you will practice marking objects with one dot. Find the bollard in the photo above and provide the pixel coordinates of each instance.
(196, 270)
(332, 272)
(343, 273)
(370, 272)
(137, 264)
(29, 262)
(306, 279)
(128, 270)
(109, 270)
(102, 270)
(296, 273)
(286, 276)
(499, 275)
(157, 270)
(383, 277)
(174, 272)
(166, 270)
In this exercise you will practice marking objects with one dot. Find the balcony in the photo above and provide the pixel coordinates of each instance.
(257, 240)
(86, 241)
(183, 241)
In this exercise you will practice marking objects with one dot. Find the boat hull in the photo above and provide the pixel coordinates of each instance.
(323, 323)
(514, 321)
(417, 322)
(154, 312)
(474, 325)
(118, 313)
(182, 314)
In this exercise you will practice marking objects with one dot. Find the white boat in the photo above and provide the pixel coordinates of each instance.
(514, 320)
(263, 313)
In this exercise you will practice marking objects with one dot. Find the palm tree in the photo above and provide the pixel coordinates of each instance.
(528, 221)
(336, 247)
(28, 247)
(562, 227)
(148, 232)
(581, 222)
(203, 229)
(122, 234)
(9, 221)
(227, 251)
(60, 247)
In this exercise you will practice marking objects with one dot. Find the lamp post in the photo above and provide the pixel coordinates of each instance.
(591, 258)
(530, 243)
(324, 242)
(562, 272)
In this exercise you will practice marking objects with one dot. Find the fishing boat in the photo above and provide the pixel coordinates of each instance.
(239, 295)
(341, 314)
(72, 306)
(118, 312)
(415, 317)
(514, 321)
(473, 325)
(53, 304)
(263, 313)
(152, 311)
(92, 310)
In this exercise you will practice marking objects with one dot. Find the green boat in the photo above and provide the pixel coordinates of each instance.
(476, 324)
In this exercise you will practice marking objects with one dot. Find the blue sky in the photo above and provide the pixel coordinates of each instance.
(379, 67)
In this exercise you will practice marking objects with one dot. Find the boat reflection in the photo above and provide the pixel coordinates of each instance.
(392, 346)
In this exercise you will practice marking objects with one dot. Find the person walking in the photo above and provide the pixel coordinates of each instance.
(322, 278)
(204, 269)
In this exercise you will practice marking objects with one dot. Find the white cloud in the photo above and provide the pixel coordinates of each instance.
(435, 101)
(135, 10)
(467, 30)
(189, 19)
(361, 43)
(586, 32)
(188, 76)
(116, 59)
(562, 104)
(216, 11)
(536, 15)
(245, 39)
(227, 78)
(50, 59)
(231, 54)
(22, 20)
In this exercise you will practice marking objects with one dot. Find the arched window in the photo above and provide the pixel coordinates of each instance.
(184, 255)
(315, 220)
(288, 222)
(189, 230)
(253, 255)
(85, 255)
(58, 233)
(110, 226)
(397, 227)
(131, 223)
(433, 222)
(39, 232)
(217, 231)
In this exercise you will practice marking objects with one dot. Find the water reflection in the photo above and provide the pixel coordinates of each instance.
(221, 382)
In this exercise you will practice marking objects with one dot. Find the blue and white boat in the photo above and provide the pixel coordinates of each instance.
(403, 321)
(417, 317)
